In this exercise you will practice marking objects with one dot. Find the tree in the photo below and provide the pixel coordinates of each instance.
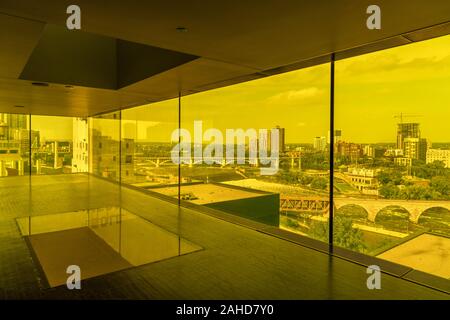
(344, 235)
(316, 161)
(441, 184)
(292, 223)
(319, 183)
(288, 177)
(391, 176)
(415, 193)
(318, 230)
(389, 191)
(429, 170)
(304, 179)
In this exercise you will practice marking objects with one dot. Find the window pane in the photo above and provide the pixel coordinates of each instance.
(253, 150)
(146, 144)
(105, 137)
(105, 197)
(14, 144)
(58, 145)
(392, 178)
(14, 163)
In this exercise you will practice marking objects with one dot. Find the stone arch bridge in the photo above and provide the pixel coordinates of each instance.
(372, 206)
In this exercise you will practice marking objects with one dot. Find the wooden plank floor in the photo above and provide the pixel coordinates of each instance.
(236, 263)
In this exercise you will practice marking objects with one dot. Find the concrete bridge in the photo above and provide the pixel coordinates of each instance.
(160, 160)
(372, 206)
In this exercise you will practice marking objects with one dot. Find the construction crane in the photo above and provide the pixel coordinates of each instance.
(407, 115)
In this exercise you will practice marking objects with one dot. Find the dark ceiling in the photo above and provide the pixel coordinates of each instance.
(130, 52)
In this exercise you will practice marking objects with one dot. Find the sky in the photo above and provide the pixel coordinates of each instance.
(374, 88)
(58, 128)
(370, 91)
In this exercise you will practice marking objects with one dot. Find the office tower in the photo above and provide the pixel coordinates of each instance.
(406, 130)
(411, 147)
(281, 139)
(18, 121)
(337, 136)
(369, 151)
(268, 142)
(415, 148)
(424, 145)
(320, 143)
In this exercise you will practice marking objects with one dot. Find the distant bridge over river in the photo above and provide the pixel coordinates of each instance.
(372, 206)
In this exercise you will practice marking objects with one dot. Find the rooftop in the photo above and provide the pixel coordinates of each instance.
(205, 193)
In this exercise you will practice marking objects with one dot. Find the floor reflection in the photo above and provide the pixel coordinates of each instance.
(99, 241)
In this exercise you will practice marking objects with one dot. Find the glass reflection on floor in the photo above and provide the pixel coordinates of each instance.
(99, 241)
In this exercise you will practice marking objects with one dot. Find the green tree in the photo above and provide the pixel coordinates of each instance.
(344, 235)
(415, 193)
(391, 176)
(389, 191)
(288, 177)
(316, 161)
(292, 223)
(429, 170)
(441, 184)
(305, 179)
(318, 230)
(319, 183)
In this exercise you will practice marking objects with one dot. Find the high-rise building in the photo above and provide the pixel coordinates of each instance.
(281, 139)
(267, 143)
(373, 152)
(409, 140)
(368, 151)
(424, 145)
(337, 136)
(18, 121)
(411, 148)
(405, 131)
(320, 143)
(348, 149)
(438, 155)
(415, 148)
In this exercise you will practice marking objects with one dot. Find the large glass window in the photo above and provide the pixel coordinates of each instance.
(59, 145)
(14, 144)
(15, 184)
(147, 144)
(259, 150)
(105, 199)
(392, 155)
(104, 131)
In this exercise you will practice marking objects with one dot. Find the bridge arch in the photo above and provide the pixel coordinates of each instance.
(353, 210)
(394, 217)
(435, 219)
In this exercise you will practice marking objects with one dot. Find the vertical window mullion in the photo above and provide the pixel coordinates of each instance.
(331, 206)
